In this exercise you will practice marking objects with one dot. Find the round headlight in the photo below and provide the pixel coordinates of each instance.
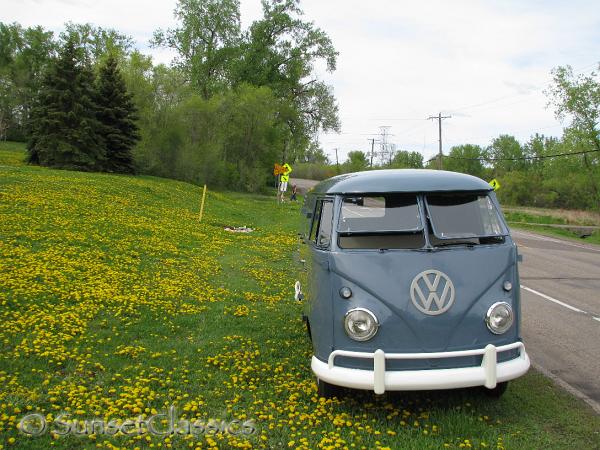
(345, 292)
(499, 317)
(360, 324)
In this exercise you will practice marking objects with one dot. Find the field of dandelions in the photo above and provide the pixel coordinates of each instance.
(116, 303)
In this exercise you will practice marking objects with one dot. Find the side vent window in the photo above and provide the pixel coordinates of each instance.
(325, 224)
(315, 221)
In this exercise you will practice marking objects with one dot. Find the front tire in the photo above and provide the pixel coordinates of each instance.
(327, 390)
(497, 391)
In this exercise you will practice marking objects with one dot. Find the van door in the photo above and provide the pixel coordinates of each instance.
(319, 293)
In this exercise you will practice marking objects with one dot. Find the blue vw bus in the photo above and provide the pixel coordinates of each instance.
(410, 283)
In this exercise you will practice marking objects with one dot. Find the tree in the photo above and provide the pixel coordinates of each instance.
(313, 154)
(117, 116)
(158, 91)
(506, 154)
(280, 51)
(356, 161)
(252, 135)
(464, 158)
(24, 56)
(202, 127)
(407, 160)
(63, 123)
(96, 43)
(537, 148)
(577, 99)
(206, 42)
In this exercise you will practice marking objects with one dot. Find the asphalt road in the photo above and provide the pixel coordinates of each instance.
(560, 302)
(302, 184)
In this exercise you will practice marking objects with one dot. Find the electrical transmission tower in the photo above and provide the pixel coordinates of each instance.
(439, 118)
(385, 154)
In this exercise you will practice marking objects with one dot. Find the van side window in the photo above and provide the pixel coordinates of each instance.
(322, 224)
(325, 225)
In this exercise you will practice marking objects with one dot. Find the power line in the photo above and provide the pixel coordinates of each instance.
(505, 97)
(523, 158)
(412, 130)
(534, 89)
(512, 132)
(411, 119)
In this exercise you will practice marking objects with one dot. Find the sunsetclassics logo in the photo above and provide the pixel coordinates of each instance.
(165, 424)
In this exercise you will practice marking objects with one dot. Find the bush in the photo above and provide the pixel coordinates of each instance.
(229, 141)
(313, 171)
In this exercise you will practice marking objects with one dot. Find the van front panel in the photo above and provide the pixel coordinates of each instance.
(381, 282)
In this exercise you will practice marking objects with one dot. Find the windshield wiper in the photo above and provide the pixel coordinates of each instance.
(448, 244)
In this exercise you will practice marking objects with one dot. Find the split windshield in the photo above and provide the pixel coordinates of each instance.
(386, 221)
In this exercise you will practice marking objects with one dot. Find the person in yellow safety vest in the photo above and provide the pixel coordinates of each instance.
(283, 180)
(285, 177)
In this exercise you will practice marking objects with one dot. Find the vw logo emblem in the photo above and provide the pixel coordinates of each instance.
(432, 292)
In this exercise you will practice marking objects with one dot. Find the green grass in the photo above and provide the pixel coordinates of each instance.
(12, 153)
(516, 218)
(115, 302)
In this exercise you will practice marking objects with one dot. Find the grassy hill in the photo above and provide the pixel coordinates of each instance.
(115, 302)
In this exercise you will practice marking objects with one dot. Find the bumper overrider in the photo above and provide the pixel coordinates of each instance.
(488, 374)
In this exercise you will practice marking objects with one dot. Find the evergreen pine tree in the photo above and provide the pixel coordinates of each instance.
(63, 121)
(117, 115)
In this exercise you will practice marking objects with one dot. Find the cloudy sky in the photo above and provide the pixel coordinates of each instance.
(485, 63)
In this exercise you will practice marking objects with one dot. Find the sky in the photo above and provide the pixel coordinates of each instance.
(484, 63)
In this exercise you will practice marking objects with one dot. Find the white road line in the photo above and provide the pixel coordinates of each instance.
(352, 211)
(371, 213)
(556, 241)
(558, 302)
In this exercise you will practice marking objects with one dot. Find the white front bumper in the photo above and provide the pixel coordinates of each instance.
(488, 374)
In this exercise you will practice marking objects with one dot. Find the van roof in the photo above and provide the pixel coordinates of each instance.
(400, 180)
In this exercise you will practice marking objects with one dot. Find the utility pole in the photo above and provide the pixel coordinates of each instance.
(372, 150)
(337, 161)
(439, 118)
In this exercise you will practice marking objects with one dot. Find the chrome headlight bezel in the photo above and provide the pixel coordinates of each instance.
(372, 331)
(489, 314)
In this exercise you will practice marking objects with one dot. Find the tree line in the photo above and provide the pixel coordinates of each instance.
(233, 101)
